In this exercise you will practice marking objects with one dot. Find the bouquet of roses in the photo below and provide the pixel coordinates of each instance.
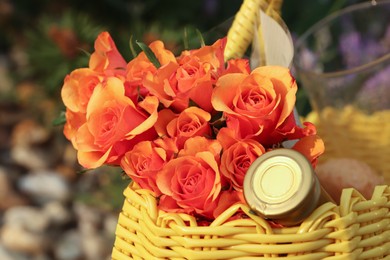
(186, 128)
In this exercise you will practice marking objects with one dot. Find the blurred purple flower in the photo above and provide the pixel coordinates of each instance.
(357, 49)
(375, 93)
(350, 45)
(308, 60)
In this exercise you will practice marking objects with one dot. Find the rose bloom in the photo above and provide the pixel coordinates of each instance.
(191, 78)
(199, 144)
(191, 183)
(212, 55)
(237, 156)
(198, 72)
(78, 88)
(191, 122)
(138, 67)
(106, 58)
(194, 78)
(143, 163)
(163, 85)
(258, 105)
(114, 124)
(169, 146)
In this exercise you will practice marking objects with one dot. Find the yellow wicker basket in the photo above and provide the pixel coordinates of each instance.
(355, 229)
(354, 134)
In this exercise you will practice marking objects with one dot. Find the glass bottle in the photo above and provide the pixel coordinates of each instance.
(282, 186)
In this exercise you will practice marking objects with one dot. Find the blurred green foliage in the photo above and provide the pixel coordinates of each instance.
(108, 186)
(58, 46)
(53, 33)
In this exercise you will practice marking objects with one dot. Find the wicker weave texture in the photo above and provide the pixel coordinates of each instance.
(350, 133)
(355, 229)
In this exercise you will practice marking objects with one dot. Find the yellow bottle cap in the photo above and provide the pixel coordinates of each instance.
(281, 185)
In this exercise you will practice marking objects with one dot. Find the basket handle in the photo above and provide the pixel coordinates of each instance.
(241, 33)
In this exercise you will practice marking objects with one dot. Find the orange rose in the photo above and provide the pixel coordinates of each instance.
(143, 163)
(163, 55)
(198, 71)
(73, 122)
(237, 66)
(114, 124)
(191, 122)
(135, 72)
(191, 78)
(191, 183)
(164, 117)
(259, 105)
(200, 144)
(163, 85)
(237, 156)
(141, 69)
(106, 58)
(311, 147)
(138, 67)
(78, 88)
(213, 55)
(169, 146)
(195, 80)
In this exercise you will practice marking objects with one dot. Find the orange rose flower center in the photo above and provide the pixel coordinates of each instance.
(110, 126)
(190, 125)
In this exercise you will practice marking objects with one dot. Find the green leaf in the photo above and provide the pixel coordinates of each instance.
(132, 49)
(149, 54)
(83, 171)
(124, 176)
(60, 120)
(185, 40)
(200, 38)
(85, 52)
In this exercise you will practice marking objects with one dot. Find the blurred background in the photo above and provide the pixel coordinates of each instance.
(49, 207)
